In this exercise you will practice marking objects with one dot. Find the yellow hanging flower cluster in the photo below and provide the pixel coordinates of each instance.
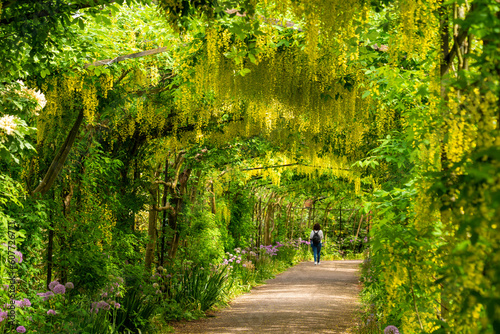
(417, 31)
(106, 83)
(90, 102)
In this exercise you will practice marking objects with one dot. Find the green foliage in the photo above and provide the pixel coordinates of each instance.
(190, 291)
(38, 37)
(203, 238)
(137, 308)
(197, 285)
(475, 239)
(241, 227)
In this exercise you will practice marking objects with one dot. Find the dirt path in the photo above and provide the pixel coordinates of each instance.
(304, 299)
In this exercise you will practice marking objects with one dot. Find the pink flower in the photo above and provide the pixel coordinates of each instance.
(51, 311)
(47, 295)
(383, 48)
(3, 315)
(59, 289)
(103, 305)
(53, 284)
(18, 256)
(391, 330)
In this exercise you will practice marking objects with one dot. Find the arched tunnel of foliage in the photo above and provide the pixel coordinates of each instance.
(160, 156)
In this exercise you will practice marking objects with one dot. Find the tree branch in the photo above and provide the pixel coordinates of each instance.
(125, 57)
(294, 164)
(168, 184)
(413, 295)
(276, 166)
(458, 42)
(124, 74)
(59, 160)
(163, 208)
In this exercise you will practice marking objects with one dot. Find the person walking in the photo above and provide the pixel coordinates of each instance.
(316, 238)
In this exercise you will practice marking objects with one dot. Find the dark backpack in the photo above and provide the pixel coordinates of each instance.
(316, 239)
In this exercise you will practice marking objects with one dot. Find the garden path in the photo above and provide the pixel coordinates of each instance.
(304, 299)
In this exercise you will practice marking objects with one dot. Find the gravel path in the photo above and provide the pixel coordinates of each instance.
(304, 299)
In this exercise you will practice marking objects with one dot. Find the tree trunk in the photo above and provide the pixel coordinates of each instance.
(165, 214)
(152, 214)
(50, 250)
(60, 158)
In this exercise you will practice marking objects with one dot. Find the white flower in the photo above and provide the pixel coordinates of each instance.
(8, 124)
(36, 95)
(40, 99)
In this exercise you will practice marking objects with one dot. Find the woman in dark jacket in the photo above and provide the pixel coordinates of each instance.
(316, 239)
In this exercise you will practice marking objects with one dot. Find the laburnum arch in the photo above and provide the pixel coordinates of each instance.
(315, 75)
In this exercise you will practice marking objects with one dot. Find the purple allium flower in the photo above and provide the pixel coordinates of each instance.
(18, 303)
(59, 289)
(103, 305)
(26, 302)
(244, 265)
(3, 315)
(366, 239)
(45, 295)
(69, 285)
(391, 330)
(53, 284)
(18, 256)
(21, 329)
(155, 285)
(117, 305)
(51, 311)
(238, 261)
(48, 295)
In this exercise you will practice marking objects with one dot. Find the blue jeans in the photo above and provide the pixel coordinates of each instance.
(316, 251)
